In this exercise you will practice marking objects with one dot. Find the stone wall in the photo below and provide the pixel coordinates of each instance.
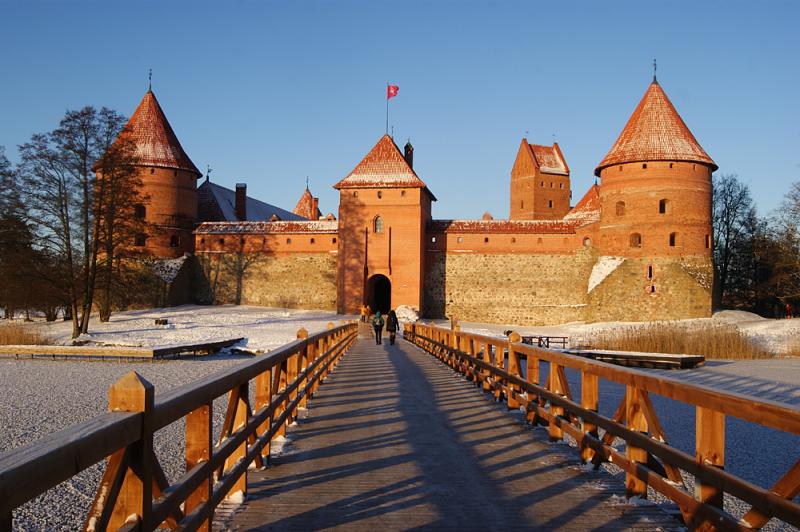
(659, 288)
(301, 280)
(508, 288)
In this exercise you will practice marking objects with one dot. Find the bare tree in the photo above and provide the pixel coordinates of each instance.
(68, 203)
(733, 215)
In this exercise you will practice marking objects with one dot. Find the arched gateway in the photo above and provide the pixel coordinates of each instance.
(379, 293)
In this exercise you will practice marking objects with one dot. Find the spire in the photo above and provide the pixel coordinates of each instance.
(655, 66)
(156, 143)
(150, 81)
(655, 132)
(308, 206)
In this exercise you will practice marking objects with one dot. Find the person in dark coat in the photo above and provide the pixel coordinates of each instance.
(377, 324)
(391, 326)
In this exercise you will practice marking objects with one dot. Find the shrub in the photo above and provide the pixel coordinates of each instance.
(710, 340)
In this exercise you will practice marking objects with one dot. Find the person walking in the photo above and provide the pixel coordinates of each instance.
(364, 313)
(391, 326)
(377, 324)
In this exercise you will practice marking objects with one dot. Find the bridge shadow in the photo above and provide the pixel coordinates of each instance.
(395, 441)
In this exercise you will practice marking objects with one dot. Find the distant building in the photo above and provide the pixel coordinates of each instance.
(637, 246)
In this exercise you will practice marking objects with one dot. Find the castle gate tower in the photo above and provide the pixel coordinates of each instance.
(169, 182)
(384, 208)
(539, 183)
(655, 196)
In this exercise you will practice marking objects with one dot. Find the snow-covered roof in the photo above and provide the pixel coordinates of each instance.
(549, 159)
(305, 226)
(383, 167)
(156, 143)
(587, 210)
(503, 226)
(655, 132)
(223, 208)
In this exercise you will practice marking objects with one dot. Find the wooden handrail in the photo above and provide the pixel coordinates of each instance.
(648, 459)
(284, 379)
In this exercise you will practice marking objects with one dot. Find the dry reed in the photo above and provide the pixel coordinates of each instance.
(17, 334)
(722, 341)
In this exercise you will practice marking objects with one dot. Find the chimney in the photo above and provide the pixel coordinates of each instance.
(409, 154)
(241, 201)
(314, 209)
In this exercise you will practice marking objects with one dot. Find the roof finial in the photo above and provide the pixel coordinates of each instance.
(655, 66)
(150, 80)
(554, 139)
(208, 172)
(306, 182)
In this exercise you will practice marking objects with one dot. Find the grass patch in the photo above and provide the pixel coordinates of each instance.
(721, 341)
(18, 334)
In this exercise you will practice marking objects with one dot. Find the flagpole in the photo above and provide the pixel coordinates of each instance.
(387, 108)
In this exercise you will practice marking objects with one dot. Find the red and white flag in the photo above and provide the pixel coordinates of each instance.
(391, 91)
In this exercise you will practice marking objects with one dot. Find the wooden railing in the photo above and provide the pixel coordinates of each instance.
(134, 493)
(648, 460)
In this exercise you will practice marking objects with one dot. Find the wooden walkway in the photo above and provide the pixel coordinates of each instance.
(394, 440)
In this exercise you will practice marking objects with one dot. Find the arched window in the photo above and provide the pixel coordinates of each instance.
(139, 211)
(620, 208)
(139, 240)
(174, 241)
(650, 271)
(636, 240)
(377, 224)
(664, 206)
(673, 239)
(550, 204)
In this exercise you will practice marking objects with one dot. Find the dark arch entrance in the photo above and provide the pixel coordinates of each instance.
(379, 293)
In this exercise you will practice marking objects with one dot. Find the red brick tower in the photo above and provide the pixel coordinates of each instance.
(539, 183)
(384, 208)
(169, 179)
(655, 197)
(308, 206)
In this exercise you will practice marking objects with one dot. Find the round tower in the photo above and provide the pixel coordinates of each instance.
(169, 183)
(655, 219)
(655, 191)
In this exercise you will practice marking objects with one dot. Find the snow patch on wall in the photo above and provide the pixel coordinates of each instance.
(602, 269)
(166, 269)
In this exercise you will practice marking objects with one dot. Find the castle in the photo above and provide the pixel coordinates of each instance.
(637, 246)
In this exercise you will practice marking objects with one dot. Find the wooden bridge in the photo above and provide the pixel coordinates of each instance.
(396, 439)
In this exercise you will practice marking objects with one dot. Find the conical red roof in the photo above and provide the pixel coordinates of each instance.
(655, 132)
(307, 206)
(384, 166)
(156, 143)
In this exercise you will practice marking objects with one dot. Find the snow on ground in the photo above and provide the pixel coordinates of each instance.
(28, 387)
(775, 335)
(263, 328)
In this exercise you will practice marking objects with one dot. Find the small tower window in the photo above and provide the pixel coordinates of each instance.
(355, 193)
(402, 193)
(460, 239)
(664, 206)
(288, 240)
(174, 241)
(139, 211)
(673, 239)
(139, 240)
(152, 170)
(636, 240)
(650, 271)
(620, 208)
(670, 165)
(312, 240)
(652, 289)
(539, 240)
(587, 242)
(561, 185)
(221, 241)
(550, 204)
(551, 184)
(334, 240)
(708, 241)
(644, 165)
(433, 239)
(380, 194)
(486, 240)
(377, 224)
(620, 168)
(542, 183)
(202, 240)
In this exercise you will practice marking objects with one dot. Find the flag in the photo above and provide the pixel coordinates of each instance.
(391, 91)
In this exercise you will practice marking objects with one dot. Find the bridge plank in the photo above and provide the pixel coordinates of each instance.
(395, 440)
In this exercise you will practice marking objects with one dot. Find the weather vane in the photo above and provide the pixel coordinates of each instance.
(306, 182)
(150, 80)
(654, 70)
(208, 172)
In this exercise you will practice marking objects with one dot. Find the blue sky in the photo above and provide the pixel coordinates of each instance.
(271, 92)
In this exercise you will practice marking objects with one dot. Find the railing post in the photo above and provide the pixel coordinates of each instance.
(132, 393)
(263, 392)
(295, 362)
(589, 401)
(198, 450)
(487, 357)
(513, 369)
(710, 450)
(532, 376)
(499, 363)
(241, 408)
(636, 421)
(311, 356)
(556, 433)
